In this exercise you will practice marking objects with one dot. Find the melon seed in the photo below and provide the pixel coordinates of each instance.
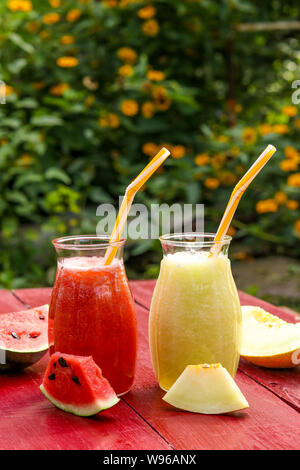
(14, 335)
(51, 377)
(62, 362)
(76, 380)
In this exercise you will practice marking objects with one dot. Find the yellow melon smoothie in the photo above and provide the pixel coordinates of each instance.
(195, 314)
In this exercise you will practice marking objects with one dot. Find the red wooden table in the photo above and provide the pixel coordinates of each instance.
(141, 420)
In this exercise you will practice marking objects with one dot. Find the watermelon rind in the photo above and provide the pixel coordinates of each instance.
(16, 359)
(85, 410)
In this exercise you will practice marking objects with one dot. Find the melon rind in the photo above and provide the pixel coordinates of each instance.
(87, 410)
(206, 389)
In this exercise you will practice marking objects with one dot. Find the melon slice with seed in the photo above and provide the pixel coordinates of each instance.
(206, 388)
(269, 341)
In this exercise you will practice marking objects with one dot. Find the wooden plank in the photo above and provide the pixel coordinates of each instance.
(285, 383)
(269, 423)
(29, 421)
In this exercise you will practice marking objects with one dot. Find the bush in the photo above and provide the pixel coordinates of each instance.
(94, 88)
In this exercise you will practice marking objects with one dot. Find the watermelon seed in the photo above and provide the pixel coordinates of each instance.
(62, 362)
(14, 335)
(41, 318)
(54, 364)
(34, 336)
(76, 380)
(51, 377)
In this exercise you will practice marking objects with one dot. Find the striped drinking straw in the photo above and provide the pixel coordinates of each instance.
(130, 192)
(236, 195)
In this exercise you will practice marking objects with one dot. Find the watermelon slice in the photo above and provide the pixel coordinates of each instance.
(75, 384)
(23, 337)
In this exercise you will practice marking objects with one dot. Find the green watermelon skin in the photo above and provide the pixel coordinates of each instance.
(23, 337)
(75, 384)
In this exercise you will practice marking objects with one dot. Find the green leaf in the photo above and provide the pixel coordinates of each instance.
(16, 39)
(57, 174)
(47, 121)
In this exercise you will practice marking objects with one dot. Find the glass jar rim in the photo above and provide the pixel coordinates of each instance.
(101, 241)
(204, 239)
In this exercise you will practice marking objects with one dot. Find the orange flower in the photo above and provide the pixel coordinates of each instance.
(201, 159)
(227, 178)
(155, 75)
(290, 111)
(59, 89)
(212, 183)
(162, 101)
(55, 3)
(297, 227)
(294, 180)
(288, 165)
(217, 161)
(9, 90)
(73, 15)
(38, 85)
(126, 70)
(24, 160)
(268, 205)
(89, 100)
(281, 129)
(111, 120)
(67, 39)
(249, 135)
(19, 5)
(292, 204)
(147, 12)
(150, 149)
(297, 123)
(126, 54)
(291, 152)
(67, 62)
(148, 109)
(265, 129)
(150, 28)
(32, 26)
(51, 18)
(110, 3)
(280, 197)
(178, 151)
(129, 107)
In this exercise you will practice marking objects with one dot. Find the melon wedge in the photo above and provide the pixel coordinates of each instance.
(267, 340)
(206, 388)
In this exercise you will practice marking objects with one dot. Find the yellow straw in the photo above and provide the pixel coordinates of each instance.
(236, 195)
(130, 192)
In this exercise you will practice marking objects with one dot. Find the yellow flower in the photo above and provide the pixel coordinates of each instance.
(218, 160)
(162, 101)
(125, 70)
(201, 159)
(38, 85)
(147, 12)
(292, 204)
(280, 197)
(178, 151)
(155, 75)
(288, 165)
(297, 123)
(113, 120)
(290, 111)
(150, 149)
(223, 138)
(249, 135)
(129, 107)
(126, 54)
(9, 90)
(238, 108)
(212, 183)
(297, 227)
(148, 109)
(291, 152)
(268, 205)
(281, 129)
(59, 89)
(89, 100)
(55, 3)
(227, 178)
(234, 151)
(24, 160)
(3, 141)
(231, 231)
(67, 62)
(150, 28)
(51, 18)
(32, 26)
(44, 34)
(294, 180)
(265, 129)
(73, 15)
(67, 39)
(20, 5)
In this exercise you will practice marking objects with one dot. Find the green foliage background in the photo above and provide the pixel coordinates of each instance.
(57, 162)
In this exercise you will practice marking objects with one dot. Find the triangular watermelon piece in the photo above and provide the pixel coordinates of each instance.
(76, 385)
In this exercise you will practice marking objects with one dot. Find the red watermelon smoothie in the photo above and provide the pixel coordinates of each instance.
(92, 311)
